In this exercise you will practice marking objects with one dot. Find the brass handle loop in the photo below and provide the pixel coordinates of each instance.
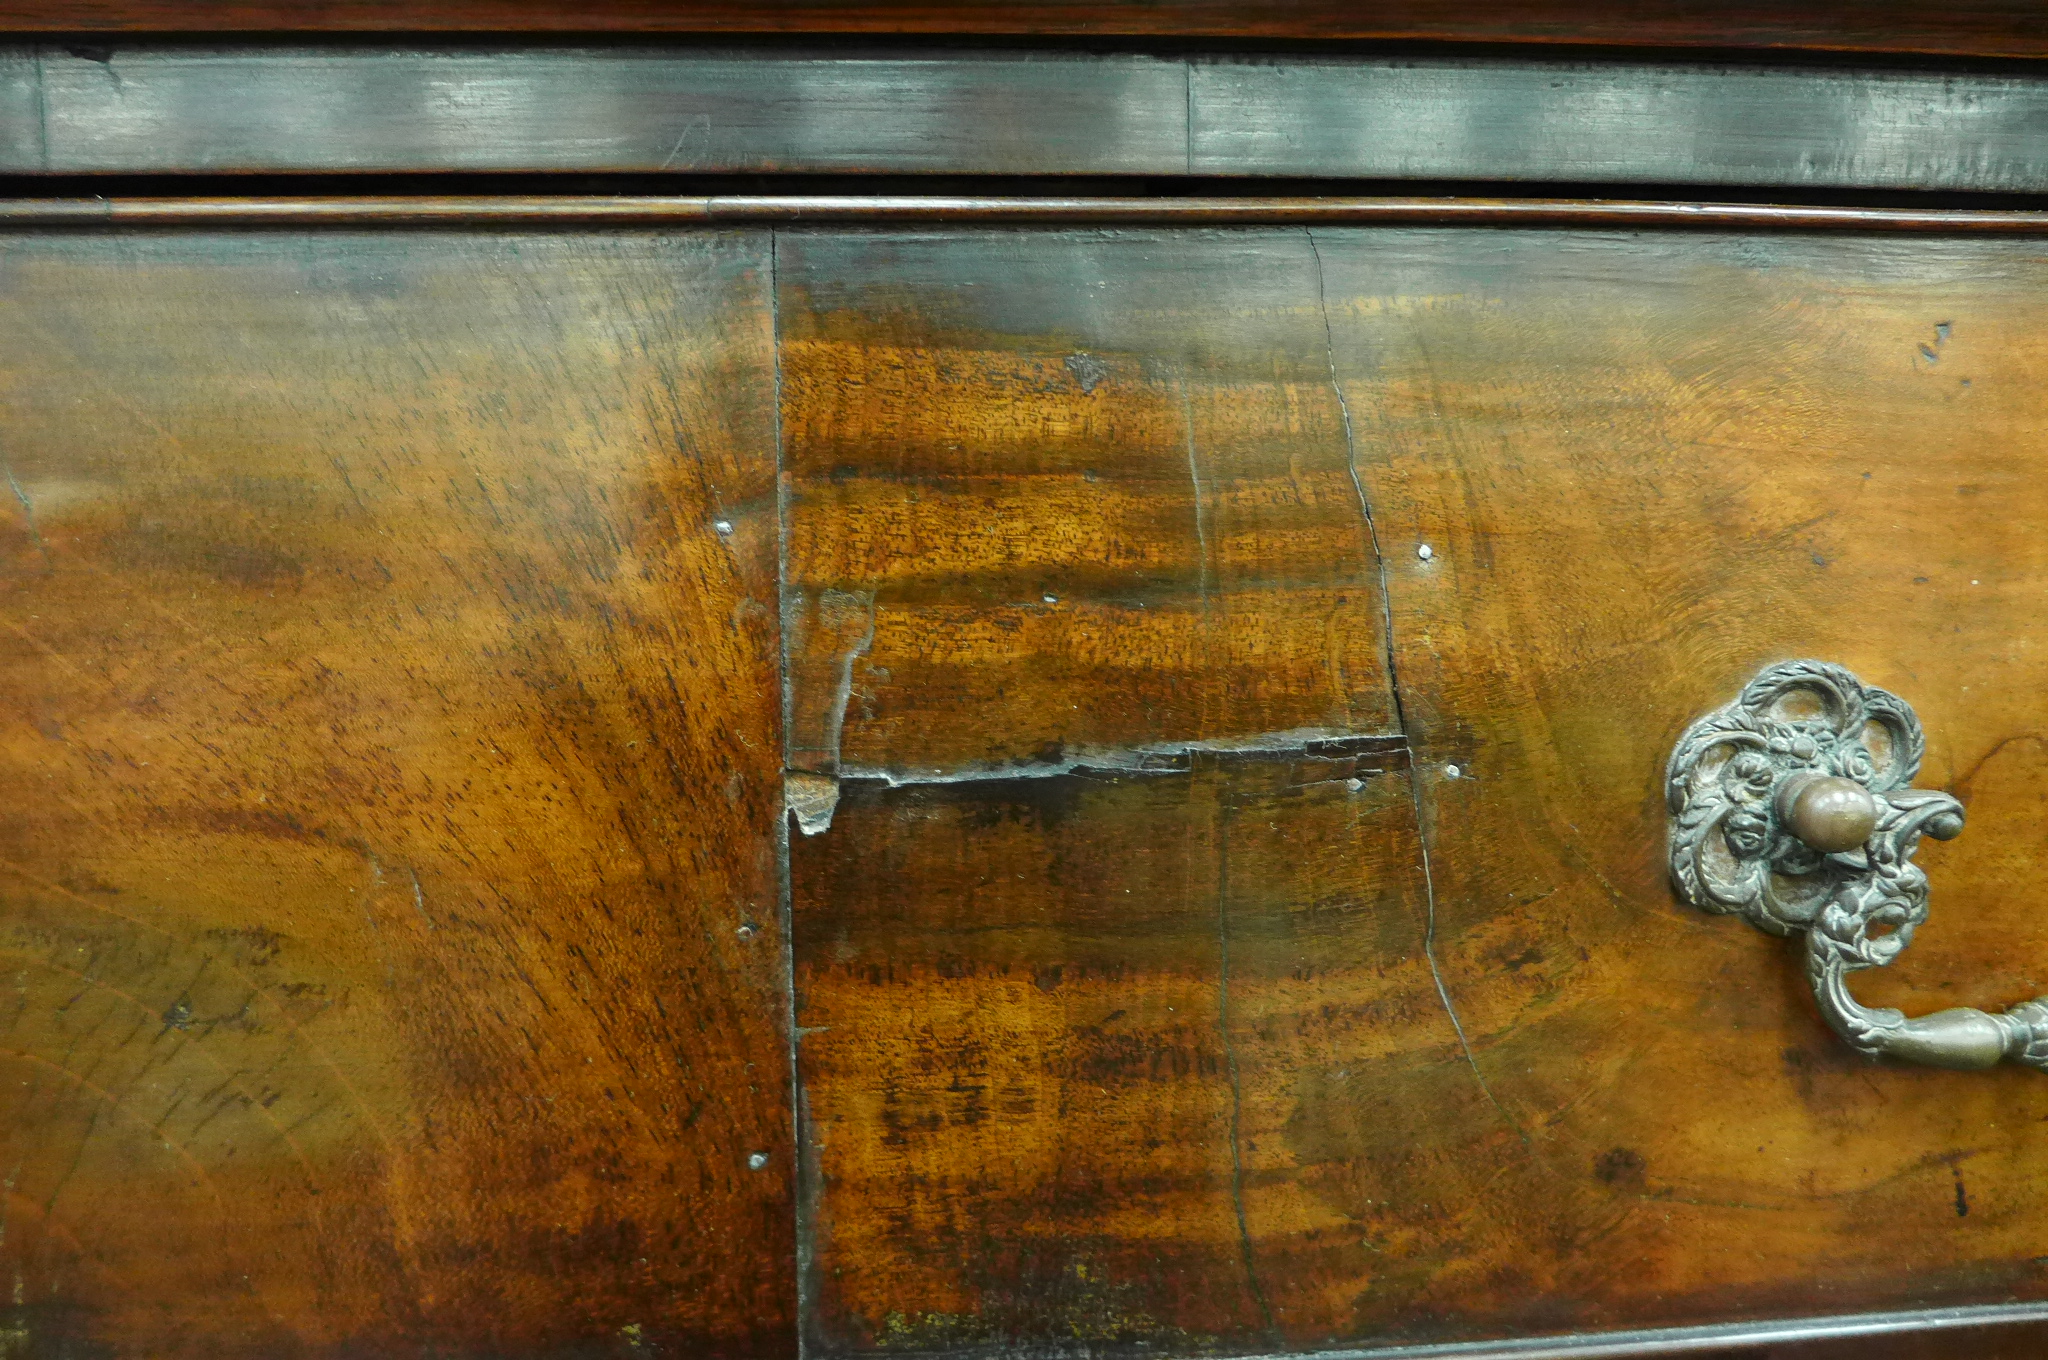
(1792, 808)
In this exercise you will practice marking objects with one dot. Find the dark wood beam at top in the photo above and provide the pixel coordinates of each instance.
(1997, 28)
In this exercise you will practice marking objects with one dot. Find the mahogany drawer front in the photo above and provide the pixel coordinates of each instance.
(1220, 925)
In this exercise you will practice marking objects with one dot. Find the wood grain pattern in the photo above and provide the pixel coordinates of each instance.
(1644, 466)
(387, 797)
(1979, 27)
(1073, 1043)
(1065, 499)
(1059, 495)
(1649, 466)
(388, 644)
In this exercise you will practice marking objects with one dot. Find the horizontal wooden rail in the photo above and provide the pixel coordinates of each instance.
(265, 108)
(2014, 28)
(820, 209)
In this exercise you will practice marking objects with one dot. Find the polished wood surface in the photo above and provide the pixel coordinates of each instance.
(1082, 500)
(1059, 1032)
(1970, 27)
(389, 847)
(1647, 467)
(642, 108)
(387, 797)
(1643, 467)
(1122, 518)
(715, 108)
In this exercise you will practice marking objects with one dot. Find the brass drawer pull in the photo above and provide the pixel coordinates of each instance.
(1791, 808)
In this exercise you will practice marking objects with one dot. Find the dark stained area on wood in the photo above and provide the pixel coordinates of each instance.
(387, 797)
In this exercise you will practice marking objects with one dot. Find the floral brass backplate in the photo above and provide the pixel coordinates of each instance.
(1792, 808)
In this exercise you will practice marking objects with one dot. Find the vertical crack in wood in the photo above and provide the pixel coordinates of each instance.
(28, 513)
(1202, 571)
(1244, 1232)
(1422, 829)
(1187, 408)
(803, 1174)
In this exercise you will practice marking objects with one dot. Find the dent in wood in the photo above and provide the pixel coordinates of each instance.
(810, 798)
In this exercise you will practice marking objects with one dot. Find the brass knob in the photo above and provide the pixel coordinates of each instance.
(1828, 814)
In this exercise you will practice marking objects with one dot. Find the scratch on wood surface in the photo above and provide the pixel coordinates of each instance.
(108, 1101)
(63, 662)
(419, 897)
(862, 604)
(1961, 784)
(28, 513)
(42, 110)
(702, 121)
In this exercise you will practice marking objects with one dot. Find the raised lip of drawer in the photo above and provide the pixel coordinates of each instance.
(968, 210)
